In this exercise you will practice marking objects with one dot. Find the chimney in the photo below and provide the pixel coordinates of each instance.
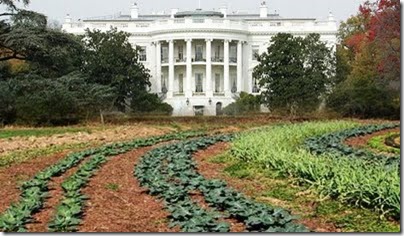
(134, 11)
(68, 19)
(223, 10)
(331, 17)
(263, 10)
(173, 12)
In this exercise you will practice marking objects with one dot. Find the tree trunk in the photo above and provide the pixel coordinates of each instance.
(102, 117)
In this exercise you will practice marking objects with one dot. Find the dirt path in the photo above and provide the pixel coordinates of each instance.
(362, 141)
(249, 187)
(42, 218)
(12, 177)
(110, 134)
(118, 204)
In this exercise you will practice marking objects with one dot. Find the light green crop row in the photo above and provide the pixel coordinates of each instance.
(280, 148)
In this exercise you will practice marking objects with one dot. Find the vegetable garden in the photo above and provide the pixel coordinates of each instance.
(313, 154)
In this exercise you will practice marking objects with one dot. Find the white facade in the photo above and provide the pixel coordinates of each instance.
(200, 60)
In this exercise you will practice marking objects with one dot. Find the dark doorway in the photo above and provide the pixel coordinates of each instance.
(219, 111)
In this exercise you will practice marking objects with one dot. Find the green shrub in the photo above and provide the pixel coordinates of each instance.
(246, 103)
(146, 103)
(7, 103)
(364, 99)
(34, 100)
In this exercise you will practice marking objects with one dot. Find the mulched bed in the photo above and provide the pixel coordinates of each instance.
(246, 186)
(118, 204)
(362, 141)
(12, 177)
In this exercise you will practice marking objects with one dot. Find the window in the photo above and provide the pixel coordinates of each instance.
(217, 54)
(181, 83)
(142, 54)
(233, 54)
(255, 52)
(180, 52)
(199, 83)
(217, 83)
(164, 54)
(163, 83)
(199, 53)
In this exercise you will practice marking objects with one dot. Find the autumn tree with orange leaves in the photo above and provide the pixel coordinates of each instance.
(369, 62)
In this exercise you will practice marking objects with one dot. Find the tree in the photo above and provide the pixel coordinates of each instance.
(7, 103)
(24, 36)
(294, 72)
(32, 99)
(111, 60)
(368, 62)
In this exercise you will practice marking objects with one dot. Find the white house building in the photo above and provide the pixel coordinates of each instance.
(200, 60)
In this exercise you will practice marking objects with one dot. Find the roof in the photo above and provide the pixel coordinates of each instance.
(198, 13)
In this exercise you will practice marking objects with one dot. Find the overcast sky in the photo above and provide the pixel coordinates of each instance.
(81, 9)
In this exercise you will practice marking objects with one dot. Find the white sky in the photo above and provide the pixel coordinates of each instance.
(81, 9)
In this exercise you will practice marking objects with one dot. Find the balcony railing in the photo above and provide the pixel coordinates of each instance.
(217, 59)
(179, 94)
(198, 59)
(218, 93)
(180, 59)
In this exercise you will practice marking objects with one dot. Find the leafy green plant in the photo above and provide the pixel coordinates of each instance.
(340, 172)
(334, 143)
(170, 173)
(35, 191)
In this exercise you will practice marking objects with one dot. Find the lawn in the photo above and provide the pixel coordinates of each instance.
(40, 132)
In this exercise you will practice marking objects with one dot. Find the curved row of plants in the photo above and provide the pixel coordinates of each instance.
(385, 143)
(282, 149)
(35, 191)
(333, 143)
(393, 140)
(170, 174)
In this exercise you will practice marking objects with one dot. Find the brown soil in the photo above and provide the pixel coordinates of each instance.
(118, 204)
(12, 177)
(111, 134)
(247, 186)
(362, 141)
(42, 218)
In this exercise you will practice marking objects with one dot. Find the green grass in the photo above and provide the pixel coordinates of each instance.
(112, 187)
(16, 157)
(305, 202)
(39, 132)
(378, 143)
(278, 149)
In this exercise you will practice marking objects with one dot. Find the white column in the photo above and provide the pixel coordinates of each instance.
(239, 66)
(170, 68)
(209, 91)
(158, 67)
(188, 83)
(226, 68)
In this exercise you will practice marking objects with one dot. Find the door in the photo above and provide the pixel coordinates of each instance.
(164, 54)
(181, 83)
(180, 53)
(199, 53)
(198, 83)
(219, 109)
(217, 83)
